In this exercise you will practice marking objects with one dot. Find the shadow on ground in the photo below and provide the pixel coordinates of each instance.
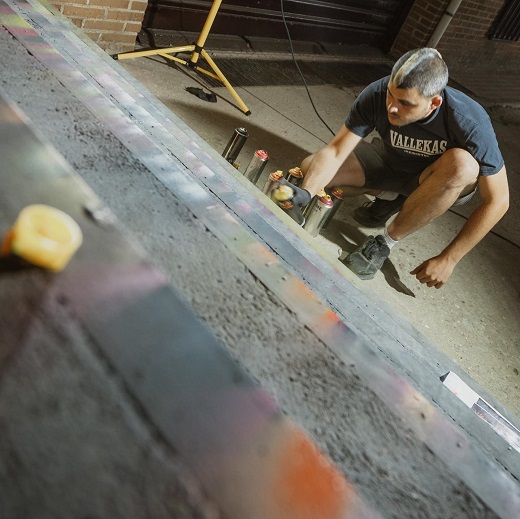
(348, 237)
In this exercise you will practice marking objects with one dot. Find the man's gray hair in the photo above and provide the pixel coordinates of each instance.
(423, 69)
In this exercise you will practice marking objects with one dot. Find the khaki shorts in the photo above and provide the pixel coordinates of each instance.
(378, 175)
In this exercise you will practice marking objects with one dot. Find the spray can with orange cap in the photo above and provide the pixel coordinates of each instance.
(295, 176)
(274, 177)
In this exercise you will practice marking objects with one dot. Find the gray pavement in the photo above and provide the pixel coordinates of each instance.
(393, 443)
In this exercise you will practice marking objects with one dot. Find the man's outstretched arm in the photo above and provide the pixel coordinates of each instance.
(494, 191)
(321, 167)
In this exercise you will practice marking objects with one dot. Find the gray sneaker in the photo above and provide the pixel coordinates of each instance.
(366, 260)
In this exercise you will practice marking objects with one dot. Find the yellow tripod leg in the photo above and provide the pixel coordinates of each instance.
(196, 51)
(153, 52)
(201, 41)
(226, 83)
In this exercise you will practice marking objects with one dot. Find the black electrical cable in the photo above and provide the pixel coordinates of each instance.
(299, 70)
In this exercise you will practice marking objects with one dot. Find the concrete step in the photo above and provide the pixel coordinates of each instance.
(249, 226)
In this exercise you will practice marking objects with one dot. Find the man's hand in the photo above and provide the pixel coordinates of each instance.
(301, 196)
(494, 192)
(435, 272)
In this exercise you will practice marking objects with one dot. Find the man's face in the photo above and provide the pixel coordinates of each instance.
(405, 106)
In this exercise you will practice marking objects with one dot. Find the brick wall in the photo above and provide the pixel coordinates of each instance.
(112, 24)
(418, 26)
(465, 42)
(464, 45)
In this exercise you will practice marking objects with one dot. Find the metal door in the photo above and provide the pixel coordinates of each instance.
(359, 22)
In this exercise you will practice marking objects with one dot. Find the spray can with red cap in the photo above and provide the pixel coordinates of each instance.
(317, 213)
(256, 166)
(337, 196)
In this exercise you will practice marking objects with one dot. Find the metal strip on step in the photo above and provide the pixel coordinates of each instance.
(482, 409)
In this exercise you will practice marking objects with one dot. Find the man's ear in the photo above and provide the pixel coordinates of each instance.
(436, 101)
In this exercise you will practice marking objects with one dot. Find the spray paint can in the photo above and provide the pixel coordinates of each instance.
(295, 176)
(271, 182)
(309, 207)
(235, 144)
(283, 196)
(256, 166)
(337, 196)
(317, 215)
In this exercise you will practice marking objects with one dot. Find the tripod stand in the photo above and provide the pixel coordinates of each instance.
(196, 50)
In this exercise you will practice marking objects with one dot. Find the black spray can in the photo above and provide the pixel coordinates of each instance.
(256, 166)
(283, 196)
(317, 214)
(295, 176)
(337, 196)
(235, 144)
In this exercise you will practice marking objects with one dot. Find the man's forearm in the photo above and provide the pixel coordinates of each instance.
(481, 221)
(321, 170)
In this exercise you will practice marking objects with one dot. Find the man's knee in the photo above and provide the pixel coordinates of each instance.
(456, 168)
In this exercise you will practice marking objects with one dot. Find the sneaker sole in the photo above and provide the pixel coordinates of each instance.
(364, 277)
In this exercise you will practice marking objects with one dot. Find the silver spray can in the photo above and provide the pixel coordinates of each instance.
(274, 177)
(235, 144)
(295, 176)
(256, 166)
(337, 196)
(317, 215)
(310, 206)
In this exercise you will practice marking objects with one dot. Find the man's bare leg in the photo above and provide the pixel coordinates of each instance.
(453, 175)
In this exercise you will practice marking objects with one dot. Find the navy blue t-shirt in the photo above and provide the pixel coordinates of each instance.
(459, 122)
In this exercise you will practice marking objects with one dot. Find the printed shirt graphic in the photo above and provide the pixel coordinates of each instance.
(459, 122)
(418, 147)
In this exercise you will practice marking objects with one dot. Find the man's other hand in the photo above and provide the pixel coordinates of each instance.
(435, 272)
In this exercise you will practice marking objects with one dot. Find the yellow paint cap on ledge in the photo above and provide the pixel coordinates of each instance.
(45, 236)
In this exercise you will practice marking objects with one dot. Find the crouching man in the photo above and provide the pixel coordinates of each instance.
(437, 146)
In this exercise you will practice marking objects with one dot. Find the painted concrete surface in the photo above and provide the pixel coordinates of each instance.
(302, 373)
(126, 393)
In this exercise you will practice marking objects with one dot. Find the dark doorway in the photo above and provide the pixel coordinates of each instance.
(351, 22)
